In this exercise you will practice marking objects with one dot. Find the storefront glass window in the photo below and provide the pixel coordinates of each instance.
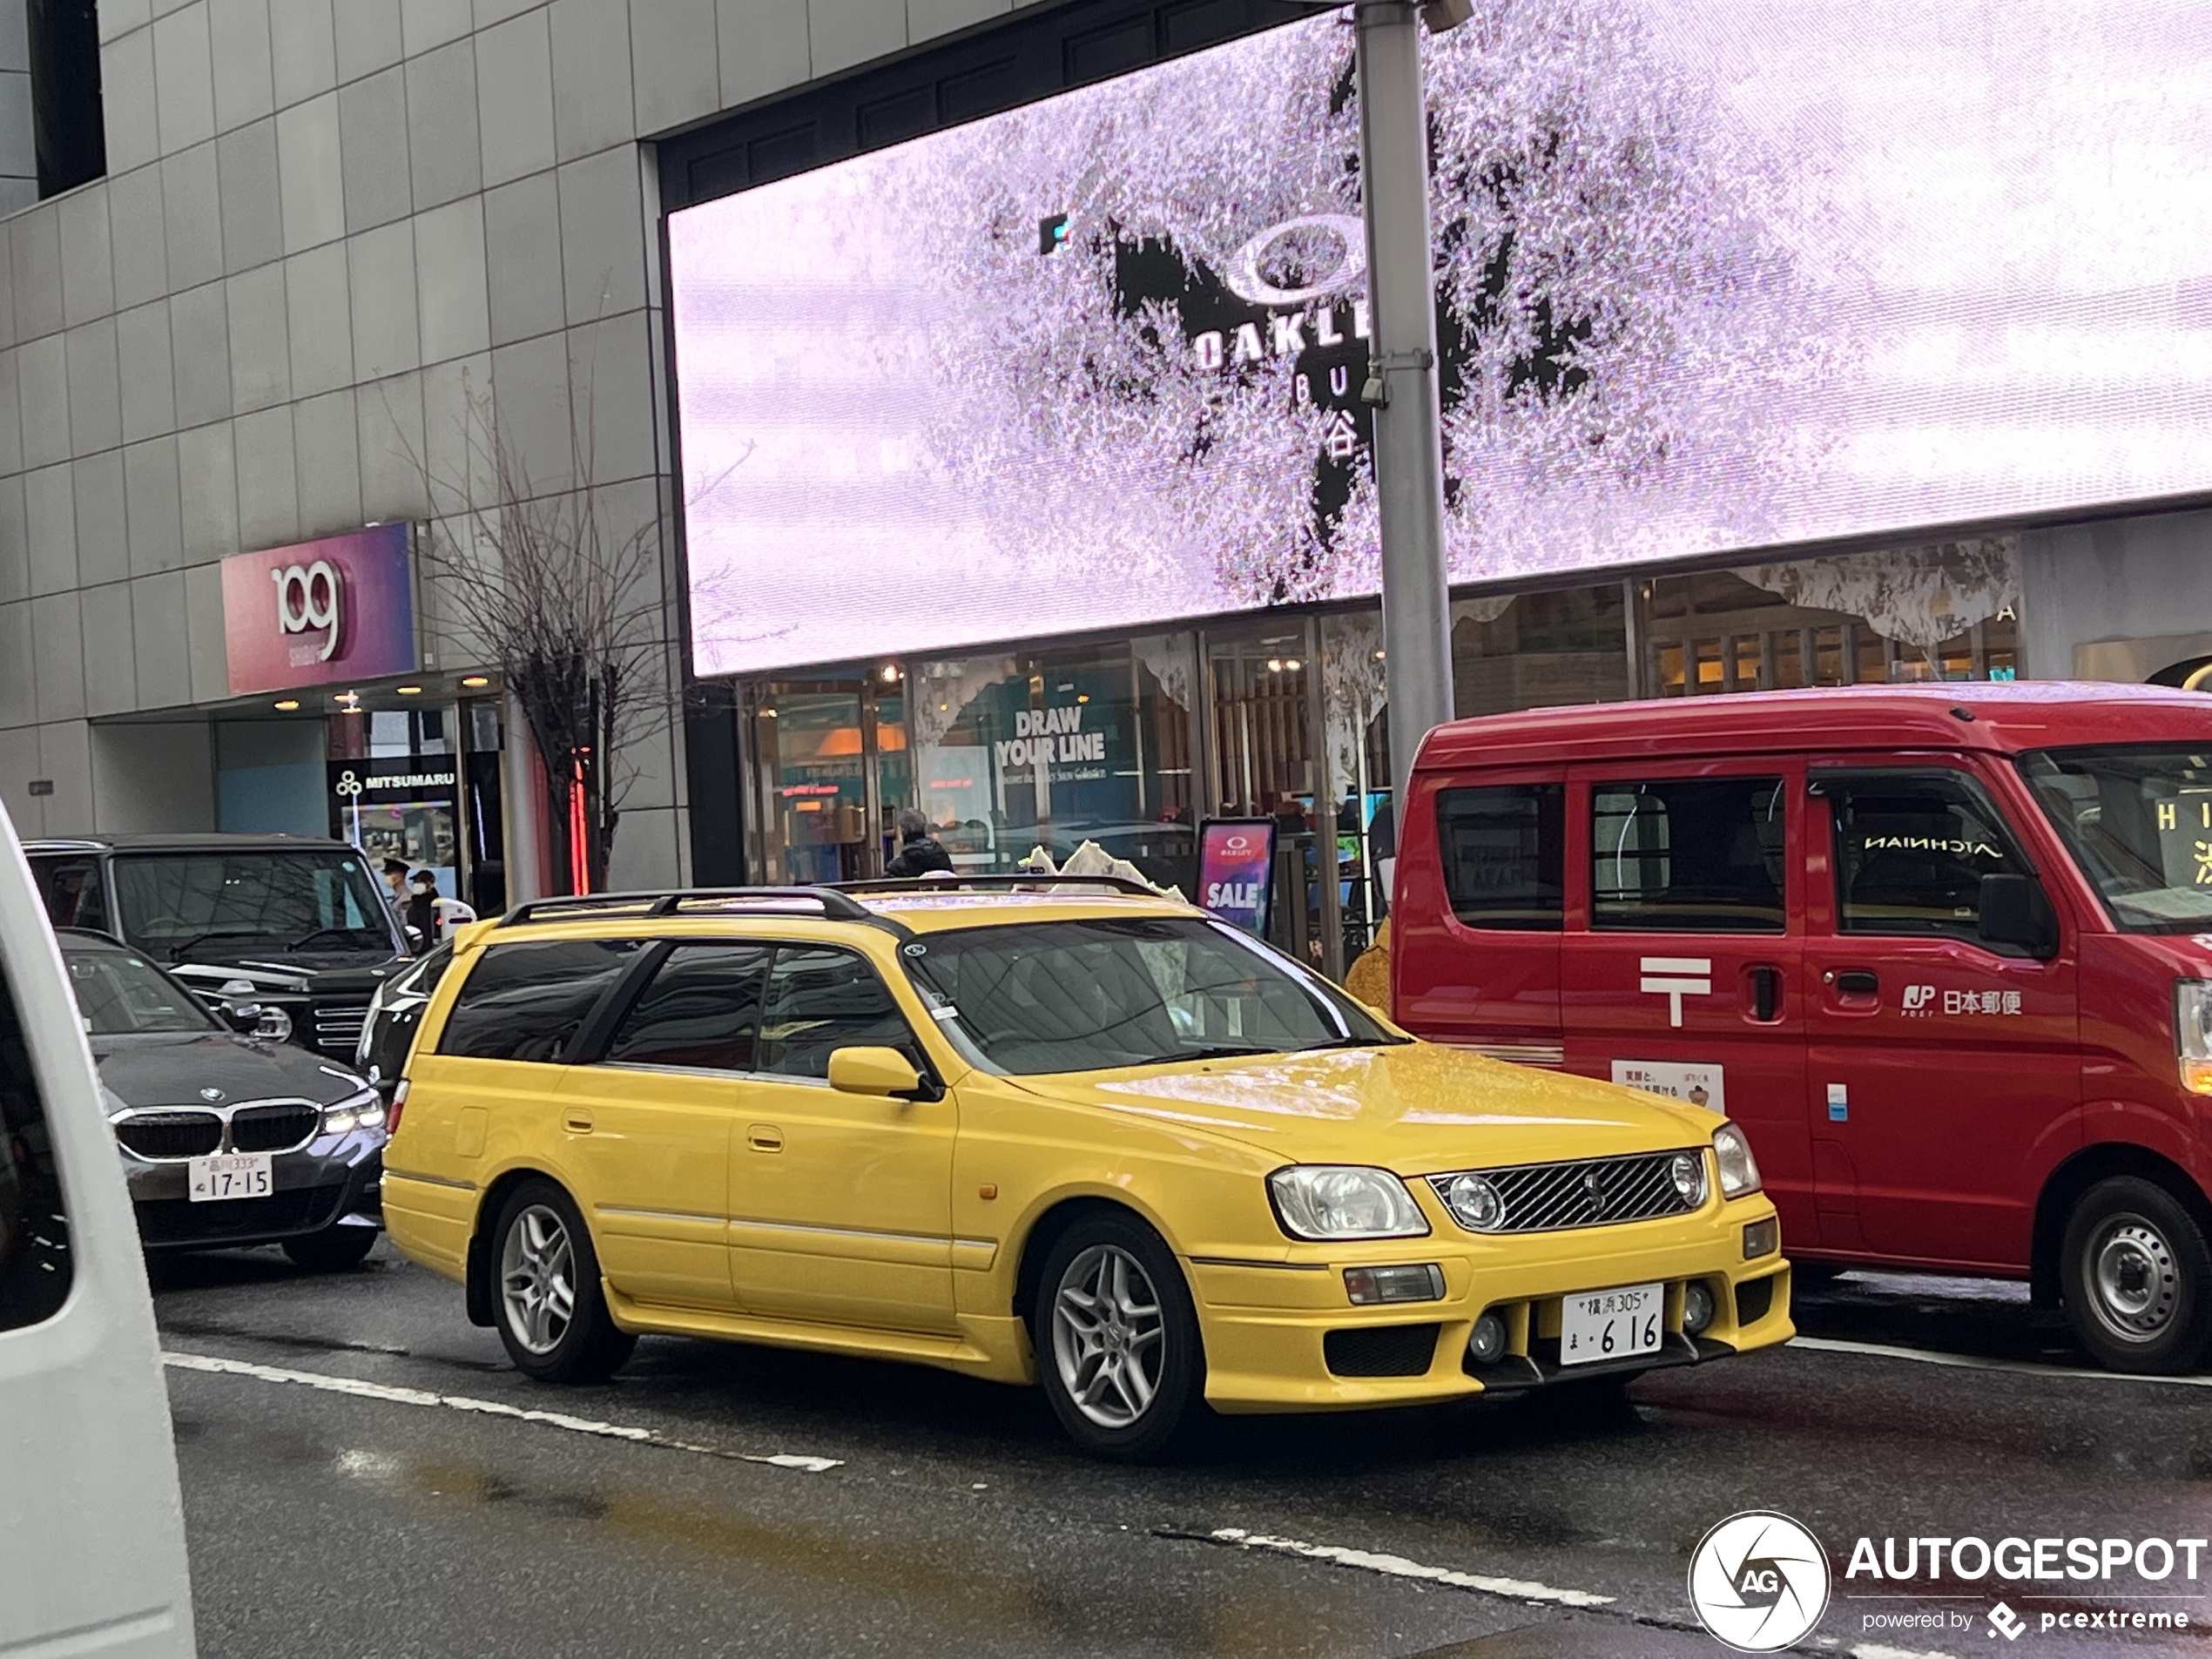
(1054, 748)
(1945, 611)
(1533, 650)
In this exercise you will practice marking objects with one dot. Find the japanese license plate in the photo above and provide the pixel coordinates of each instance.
(233, 1175)
(1611, 1325)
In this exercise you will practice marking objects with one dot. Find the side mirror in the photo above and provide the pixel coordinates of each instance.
(2015, 911)
(874, 1071)
(244, 1018)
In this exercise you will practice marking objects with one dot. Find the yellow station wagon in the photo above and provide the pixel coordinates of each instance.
(1066, 1132)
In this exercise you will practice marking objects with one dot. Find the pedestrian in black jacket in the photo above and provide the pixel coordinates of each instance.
(919, 852)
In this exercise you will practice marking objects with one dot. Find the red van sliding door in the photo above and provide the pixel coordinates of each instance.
(1681, 965)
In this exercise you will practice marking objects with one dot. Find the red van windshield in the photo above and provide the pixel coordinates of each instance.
(2138, 821)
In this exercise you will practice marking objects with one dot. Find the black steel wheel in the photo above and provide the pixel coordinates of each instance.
(2137, 1278)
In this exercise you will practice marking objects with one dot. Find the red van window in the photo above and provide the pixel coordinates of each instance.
(1504, 849)
(1911, 851)
(1688, 855)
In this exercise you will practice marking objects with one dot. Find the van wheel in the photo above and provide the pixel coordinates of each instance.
(1117, 1343)
(552, 1312)
(2138, 1278)
(332, 1251)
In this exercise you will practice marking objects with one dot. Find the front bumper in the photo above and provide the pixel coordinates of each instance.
(333, 1181)
(1275, 1331)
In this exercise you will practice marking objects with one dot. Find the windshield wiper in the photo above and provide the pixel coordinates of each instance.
(177, 951)
(1220, 1051)
(306, 939)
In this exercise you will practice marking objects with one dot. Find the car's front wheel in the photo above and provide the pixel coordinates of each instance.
(2137, 1277)
(553, 1315)
(332, 1251)
(1117, 1343)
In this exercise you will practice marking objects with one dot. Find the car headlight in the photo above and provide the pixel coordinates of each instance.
(363, 1111)
(1344, 1201)
(2193, 1033)
(276, 1024)
(1687, 1172)
(1739, 1169)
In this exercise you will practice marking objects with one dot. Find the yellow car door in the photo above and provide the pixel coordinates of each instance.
(652, 1119)
(840, 1205)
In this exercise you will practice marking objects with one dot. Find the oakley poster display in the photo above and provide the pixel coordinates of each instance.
(1707, 279)
(1236, 871)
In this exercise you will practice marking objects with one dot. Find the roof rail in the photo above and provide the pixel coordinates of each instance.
(798, 900)
(1014, 883)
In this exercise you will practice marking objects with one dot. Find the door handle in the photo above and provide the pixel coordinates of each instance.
(578, 1121)
(1857, 982)
(1766, 994)
(764, 1137)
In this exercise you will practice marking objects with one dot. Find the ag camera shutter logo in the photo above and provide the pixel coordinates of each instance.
(1759, 1581)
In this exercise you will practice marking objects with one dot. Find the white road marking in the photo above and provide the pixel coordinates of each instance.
(1969, 1362)
(397, 1396)
(1399, 1567)
(1876, 1650)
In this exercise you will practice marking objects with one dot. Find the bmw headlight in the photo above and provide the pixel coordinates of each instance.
(1739, 1169)
(1344, 1201)
(362, 1110)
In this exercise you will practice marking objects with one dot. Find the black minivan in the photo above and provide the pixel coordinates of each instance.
(298, 924)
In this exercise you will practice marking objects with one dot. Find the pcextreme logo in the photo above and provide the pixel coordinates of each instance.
(1759, 1581)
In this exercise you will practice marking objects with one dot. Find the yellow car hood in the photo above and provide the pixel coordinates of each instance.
(1416, 1108)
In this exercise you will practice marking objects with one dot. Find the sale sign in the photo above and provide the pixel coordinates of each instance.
(1236, 860)
(319, 612)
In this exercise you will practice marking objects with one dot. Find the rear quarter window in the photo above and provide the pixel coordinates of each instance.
(528, 1001)
(33, 1224)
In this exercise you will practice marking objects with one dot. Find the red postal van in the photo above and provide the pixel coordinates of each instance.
(1945, 952)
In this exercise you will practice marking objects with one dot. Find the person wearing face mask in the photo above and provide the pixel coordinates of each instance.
(422, 911)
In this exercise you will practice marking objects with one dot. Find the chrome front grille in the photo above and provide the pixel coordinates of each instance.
(1584, 1192)
(171, 1135)
(279, 1128)
(338, 1027)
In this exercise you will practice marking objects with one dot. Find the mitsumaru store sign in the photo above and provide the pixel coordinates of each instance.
(1709, 278)
(319, 612)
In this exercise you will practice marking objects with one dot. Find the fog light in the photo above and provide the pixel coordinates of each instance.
(1761, 1239)
(1422, 1283)
(1478, 1205)
(1486, 1343)
(1687, 1172)
(1696, 1307)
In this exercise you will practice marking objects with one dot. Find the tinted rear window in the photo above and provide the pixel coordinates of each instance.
(1505, 854)
(528, 1001)
(34, 1225)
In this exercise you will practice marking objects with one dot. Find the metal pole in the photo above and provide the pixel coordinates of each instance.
(1402, 384)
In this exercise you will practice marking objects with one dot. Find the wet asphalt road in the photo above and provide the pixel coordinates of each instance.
(347, 1493)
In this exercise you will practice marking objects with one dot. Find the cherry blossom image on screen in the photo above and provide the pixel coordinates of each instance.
(1708, 278)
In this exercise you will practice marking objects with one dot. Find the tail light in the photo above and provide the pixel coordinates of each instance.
(392, 1117)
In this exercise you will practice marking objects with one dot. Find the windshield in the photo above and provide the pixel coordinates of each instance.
(2138, 820)
(249, 903)
(1136, 991)
(118, 994)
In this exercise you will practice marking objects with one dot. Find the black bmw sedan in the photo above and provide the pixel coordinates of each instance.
(225, 1139)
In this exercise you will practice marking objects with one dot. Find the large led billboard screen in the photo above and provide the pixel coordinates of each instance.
(1709, 277)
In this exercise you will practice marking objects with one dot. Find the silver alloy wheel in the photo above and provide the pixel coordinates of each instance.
(2133, 1281)
(537, 1279)
(1109, 1337)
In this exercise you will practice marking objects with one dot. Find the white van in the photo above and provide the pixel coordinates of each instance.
(91, 1526)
